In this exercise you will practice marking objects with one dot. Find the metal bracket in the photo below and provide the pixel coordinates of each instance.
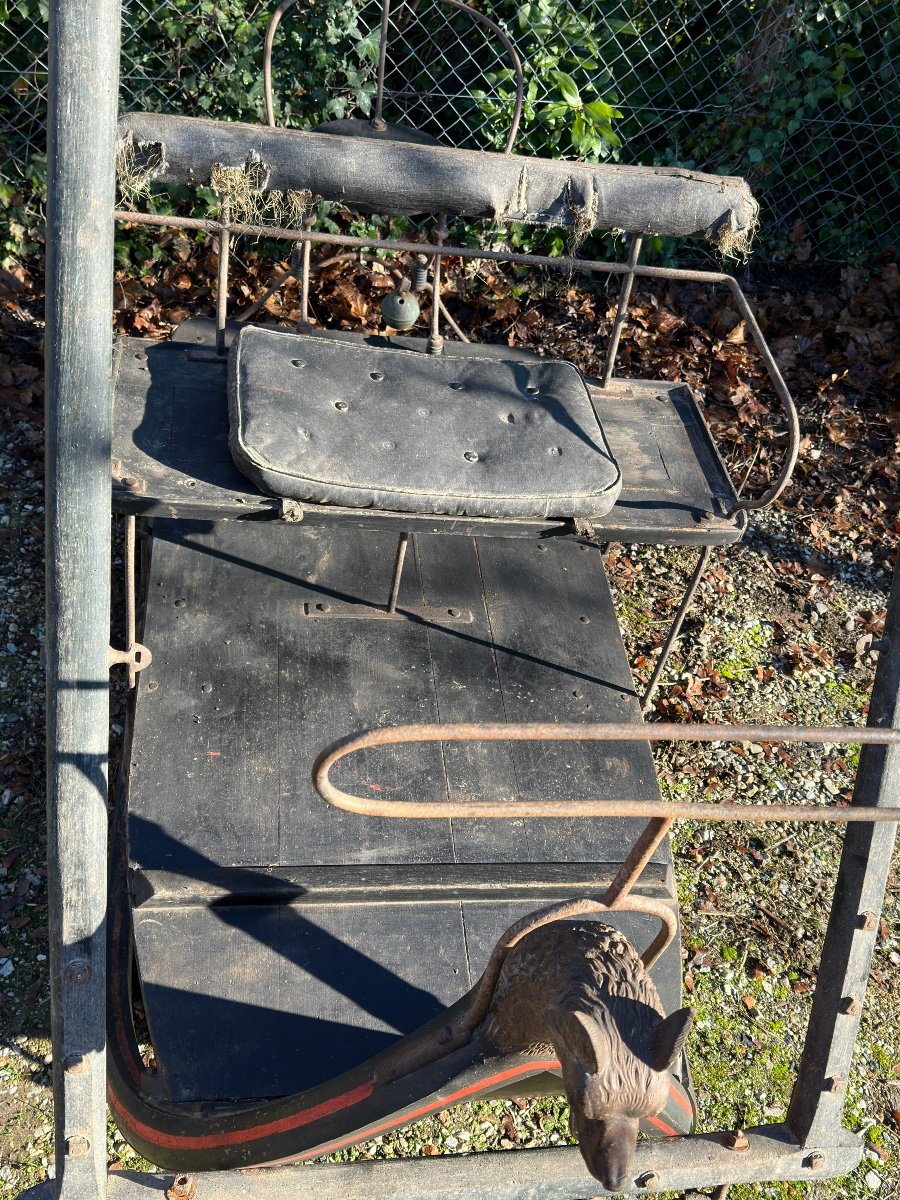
(136, 657)
(351, 610)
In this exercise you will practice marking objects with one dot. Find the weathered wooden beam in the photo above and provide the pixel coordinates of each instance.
(406, 178)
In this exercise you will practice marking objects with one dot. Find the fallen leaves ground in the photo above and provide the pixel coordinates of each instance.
(783, 630)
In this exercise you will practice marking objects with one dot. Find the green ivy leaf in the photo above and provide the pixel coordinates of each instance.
(569, 89)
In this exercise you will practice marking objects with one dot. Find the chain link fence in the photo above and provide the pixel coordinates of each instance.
(802, 98)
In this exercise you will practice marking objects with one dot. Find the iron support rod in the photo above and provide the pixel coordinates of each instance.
(622, 312)
(435, 341)
(130, 590)
(820, 1090)
(402, 543)
(306, 253)
(83, 71)
(638, 857)
(378, 122)
(675, 628)
(222, 278)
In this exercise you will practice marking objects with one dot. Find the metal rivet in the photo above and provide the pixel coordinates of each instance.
(77, 1147)
(181, 1188)
(458, 387)
(736, 1140)
(388, 445)
(78, 971)
(454, 612)
(190, 483)
(577, 694)
(376, 375)
(851, 1005)
(816, 1161)
(297, 362)
(323, 607)
(868, 922)
(424, 412)
(206, 687)
(585, 620)
(152, 685)
(543, 549)
(649, 1180)
(554, 450)
(470, 456)
(75, 1064)
(341, 405)
(180, 603)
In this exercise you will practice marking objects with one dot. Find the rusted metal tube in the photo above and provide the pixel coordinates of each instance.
(638, 857)
(675, 627)
(622, 311)
(620, 807)
(399, 558)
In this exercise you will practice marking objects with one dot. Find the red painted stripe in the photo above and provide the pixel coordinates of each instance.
(210, 1141)
(444, 1102)
(663, 1127)
(678, 1096)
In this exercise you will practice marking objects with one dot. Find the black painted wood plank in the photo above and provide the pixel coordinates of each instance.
(560, 658)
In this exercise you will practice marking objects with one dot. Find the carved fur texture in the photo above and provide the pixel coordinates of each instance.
(579, 988)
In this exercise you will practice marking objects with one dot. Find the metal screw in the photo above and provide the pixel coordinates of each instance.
(180, 603)
(837, 1085)
(297, 362)
(454, 612)
(323, 607)
(181, 1188)
(152, 685)
(75, 1064)
(649, 1180)
(376, 375)
(851, 1005)
(868, 922)
(206, 687)
(77, 1147)
(340, 405)
(585, 620)
(816, 1161)
(78, 971)
(736, 1140)
(470, 456)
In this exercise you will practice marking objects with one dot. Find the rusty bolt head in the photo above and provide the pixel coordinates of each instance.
(75, 1064)
(77, 1147)
(182, 1187)
(868, 922)
(649, 1181)
(78, 971)
(816, 1161)
(837, 1085)
(736, 1140)
(851, 1005)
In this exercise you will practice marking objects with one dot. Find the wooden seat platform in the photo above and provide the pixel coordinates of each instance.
(171, 458)
(281, 941)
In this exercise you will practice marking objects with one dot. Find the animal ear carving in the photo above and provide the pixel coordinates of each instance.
(584, 1040)
(669, 1037)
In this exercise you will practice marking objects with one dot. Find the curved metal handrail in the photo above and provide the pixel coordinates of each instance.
(474, 14)
(572, 732)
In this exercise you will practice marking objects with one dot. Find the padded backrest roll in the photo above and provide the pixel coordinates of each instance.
(404, 178)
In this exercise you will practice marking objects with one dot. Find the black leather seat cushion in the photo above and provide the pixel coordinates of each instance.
(337, 422)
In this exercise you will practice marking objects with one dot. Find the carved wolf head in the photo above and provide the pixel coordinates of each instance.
(615, 1071)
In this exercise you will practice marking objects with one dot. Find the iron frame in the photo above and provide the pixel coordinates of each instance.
(83, 77)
